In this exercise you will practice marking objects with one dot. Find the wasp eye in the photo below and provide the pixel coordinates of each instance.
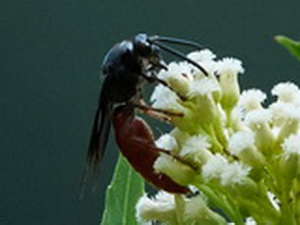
(142, 45)
(144, 49)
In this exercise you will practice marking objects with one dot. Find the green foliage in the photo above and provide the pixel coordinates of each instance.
(122, 194)
(292, 46)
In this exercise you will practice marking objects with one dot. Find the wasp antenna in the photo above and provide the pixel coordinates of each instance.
(178, 41)
(179, 55)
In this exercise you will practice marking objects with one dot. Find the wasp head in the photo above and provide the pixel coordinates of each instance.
(148, 53)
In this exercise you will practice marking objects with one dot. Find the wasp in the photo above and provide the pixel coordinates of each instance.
(127, 67)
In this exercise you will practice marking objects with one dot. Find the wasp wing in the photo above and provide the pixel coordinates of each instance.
(98, 140)
(100, 130)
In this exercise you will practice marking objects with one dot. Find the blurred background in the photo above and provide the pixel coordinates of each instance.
(51, 53)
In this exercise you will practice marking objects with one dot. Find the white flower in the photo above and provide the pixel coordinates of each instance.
(238, 113)
(163, 98)
(252, 99)
(285, 92)
(234, 173)
(202, 56)
(195, 144)
(160, 207)
(240, 141)
(181, 71)
(228, 69)
(258, 117)
(214, 167)
(204, 86)
(291, 145)
(229, 65)
(248, 135)
(206, 59)
(167, 142)
(286, 117)
(283, 110)
(296, 99)
(259, 121)
(166, 198)
(178, 77)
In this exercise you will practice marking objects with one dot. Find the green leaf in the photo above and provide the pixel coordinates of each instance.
(122, 194)
(289, 44)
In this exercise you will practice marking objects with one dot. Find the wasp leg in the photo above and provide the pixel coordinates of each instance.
(153, 78)
(141, 142)
(182, 98)
(157, 115)
(183, 161)
(142, 105)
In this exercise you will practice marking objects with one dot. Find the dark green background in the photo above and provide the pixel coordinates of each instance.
(51, 54)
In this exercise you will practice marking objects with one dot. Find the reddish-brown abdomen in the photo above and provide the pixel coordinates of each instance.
(135, 140)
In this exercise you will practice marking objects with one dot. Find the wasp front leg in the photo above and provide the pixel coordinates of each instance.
(155, 112)
(153, 78)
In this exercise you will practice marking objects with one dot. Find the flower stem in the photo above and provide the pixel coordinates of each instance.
(222, 203)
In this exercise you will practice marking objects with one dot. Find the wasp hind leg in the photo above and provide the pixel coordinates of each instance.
(161, 114)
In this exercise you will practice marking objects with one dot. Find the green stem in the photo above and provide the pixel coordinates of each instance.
(218, 130)
(216, 145)
(222, 203)
(287, 200)
(229, 120)
(287, 209)
(179, 209)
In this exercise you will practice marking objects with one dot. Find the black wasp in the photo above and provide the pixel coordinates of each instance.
(126, 67)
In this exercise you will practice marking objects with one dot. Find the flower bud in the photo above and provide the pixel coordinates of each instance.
(286, 91)
(197, 212)
(167, 142)
(195, 150)
(258, 120)
(242, 144)
(289, 162)
(176, 170)
(163, 98)
(178, 76)
(158, 208)
(252, 99)
(204, 107)
(228, 70)
(290, 119)
(214, 167)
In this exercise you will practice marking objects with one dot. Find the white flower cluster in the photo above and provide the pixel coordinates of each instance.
(176, 209)
(239, 150)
